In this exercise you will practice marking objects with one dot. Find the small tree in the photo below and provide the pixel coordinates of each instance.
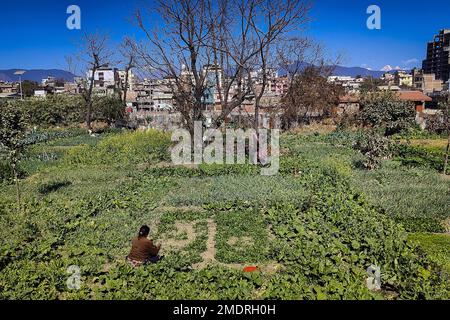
(129, 62)
(385, 110)
(95, 54)
(28, 88)
(309, 95)
(13, 130)
(370, 84)
(108, 109)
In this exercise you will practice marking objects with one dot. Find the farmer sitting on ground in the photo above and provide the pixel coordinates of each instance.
(143, 251)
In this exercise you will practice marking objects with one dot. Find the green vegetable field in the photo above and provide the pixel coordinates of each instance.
(312, 230)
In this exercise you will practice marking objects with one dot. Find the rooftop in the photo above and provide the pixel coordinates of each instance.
(413, 96)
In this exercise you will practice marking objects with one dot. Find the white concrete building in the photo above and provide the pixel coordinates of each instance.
(106, 80)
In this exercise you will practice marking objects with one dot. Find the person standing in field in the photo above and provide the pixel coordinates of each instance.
(143, 251)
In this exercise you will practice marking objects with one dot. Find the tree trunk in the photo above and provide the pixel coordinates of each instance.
(89, 100)
(256, 120)
(447, 155)
(125, 89)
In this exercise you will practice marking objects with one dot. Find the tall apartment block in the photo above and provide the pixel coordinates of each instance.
(438, 56)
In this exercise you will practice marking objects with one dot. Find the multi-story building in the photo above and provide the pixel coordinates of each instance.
(154, 95)
(6, 87)
(350, 84)
(403, 79)
(214, 80)
(9, 90)
(122, 74)
(427, 83)
(143, 92)
(49, 81)
(438, 56)
(388, 78)
(106, 80)
(162, 94)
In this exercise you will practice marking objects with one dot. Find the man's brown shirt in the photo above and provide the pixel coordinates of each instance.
(142, 249)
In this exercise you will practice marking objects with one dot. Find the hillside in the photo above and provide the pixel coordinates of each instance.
(35, 75)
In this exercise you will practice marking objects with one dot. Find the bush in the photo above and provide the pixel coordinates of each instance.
(384, 110)
(436, 125)
(53, 110)
(374, 147)
(64, 110)
(108, 109)
(123, 149)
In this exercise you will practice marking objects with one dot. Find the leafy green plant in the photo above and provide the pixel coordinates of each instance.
(374, 147)
(123, 149)
(385, 110)
(242, 237)
(410, 155)
(13, 131)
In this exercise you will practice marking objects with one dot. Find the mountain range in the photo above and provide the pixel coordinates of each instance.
(39, 74)
(340, 70)
(35, 75)
(357, 71)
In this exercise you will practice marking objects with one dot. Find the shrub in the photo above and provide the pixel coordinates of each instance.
(64, 110)
(123, 149)
(384, 110)
(53, 110)
(374, 147)
(6, 171)
(108, 109)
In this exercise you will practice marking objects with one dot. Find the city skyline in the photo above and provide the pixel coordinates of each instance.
(38, 38)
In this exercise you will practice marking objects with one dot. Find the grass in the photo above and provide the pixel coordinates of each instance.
(419, 198)
(235, 189)
(430, 143)
(437, 247)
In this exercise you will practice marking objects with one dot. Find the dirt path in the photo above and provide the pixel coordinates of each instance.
(209, 256)
(180, 227)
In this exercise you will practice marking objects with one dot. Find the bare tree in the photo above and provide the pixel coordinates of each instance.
(176, 54)
(95, 54)
(129, 59)
(70, 64)
(211, 47)
(308, 91)
(270, 23)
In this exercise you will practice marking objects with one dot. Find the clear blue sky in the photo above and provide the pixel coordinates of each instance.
(34, 33)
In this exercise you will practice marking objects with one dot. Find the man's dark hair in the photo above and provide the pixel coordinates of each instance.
(144, 231)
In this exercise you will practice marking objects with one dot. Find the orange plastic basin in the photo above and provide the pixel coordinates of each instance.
(250, 269)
